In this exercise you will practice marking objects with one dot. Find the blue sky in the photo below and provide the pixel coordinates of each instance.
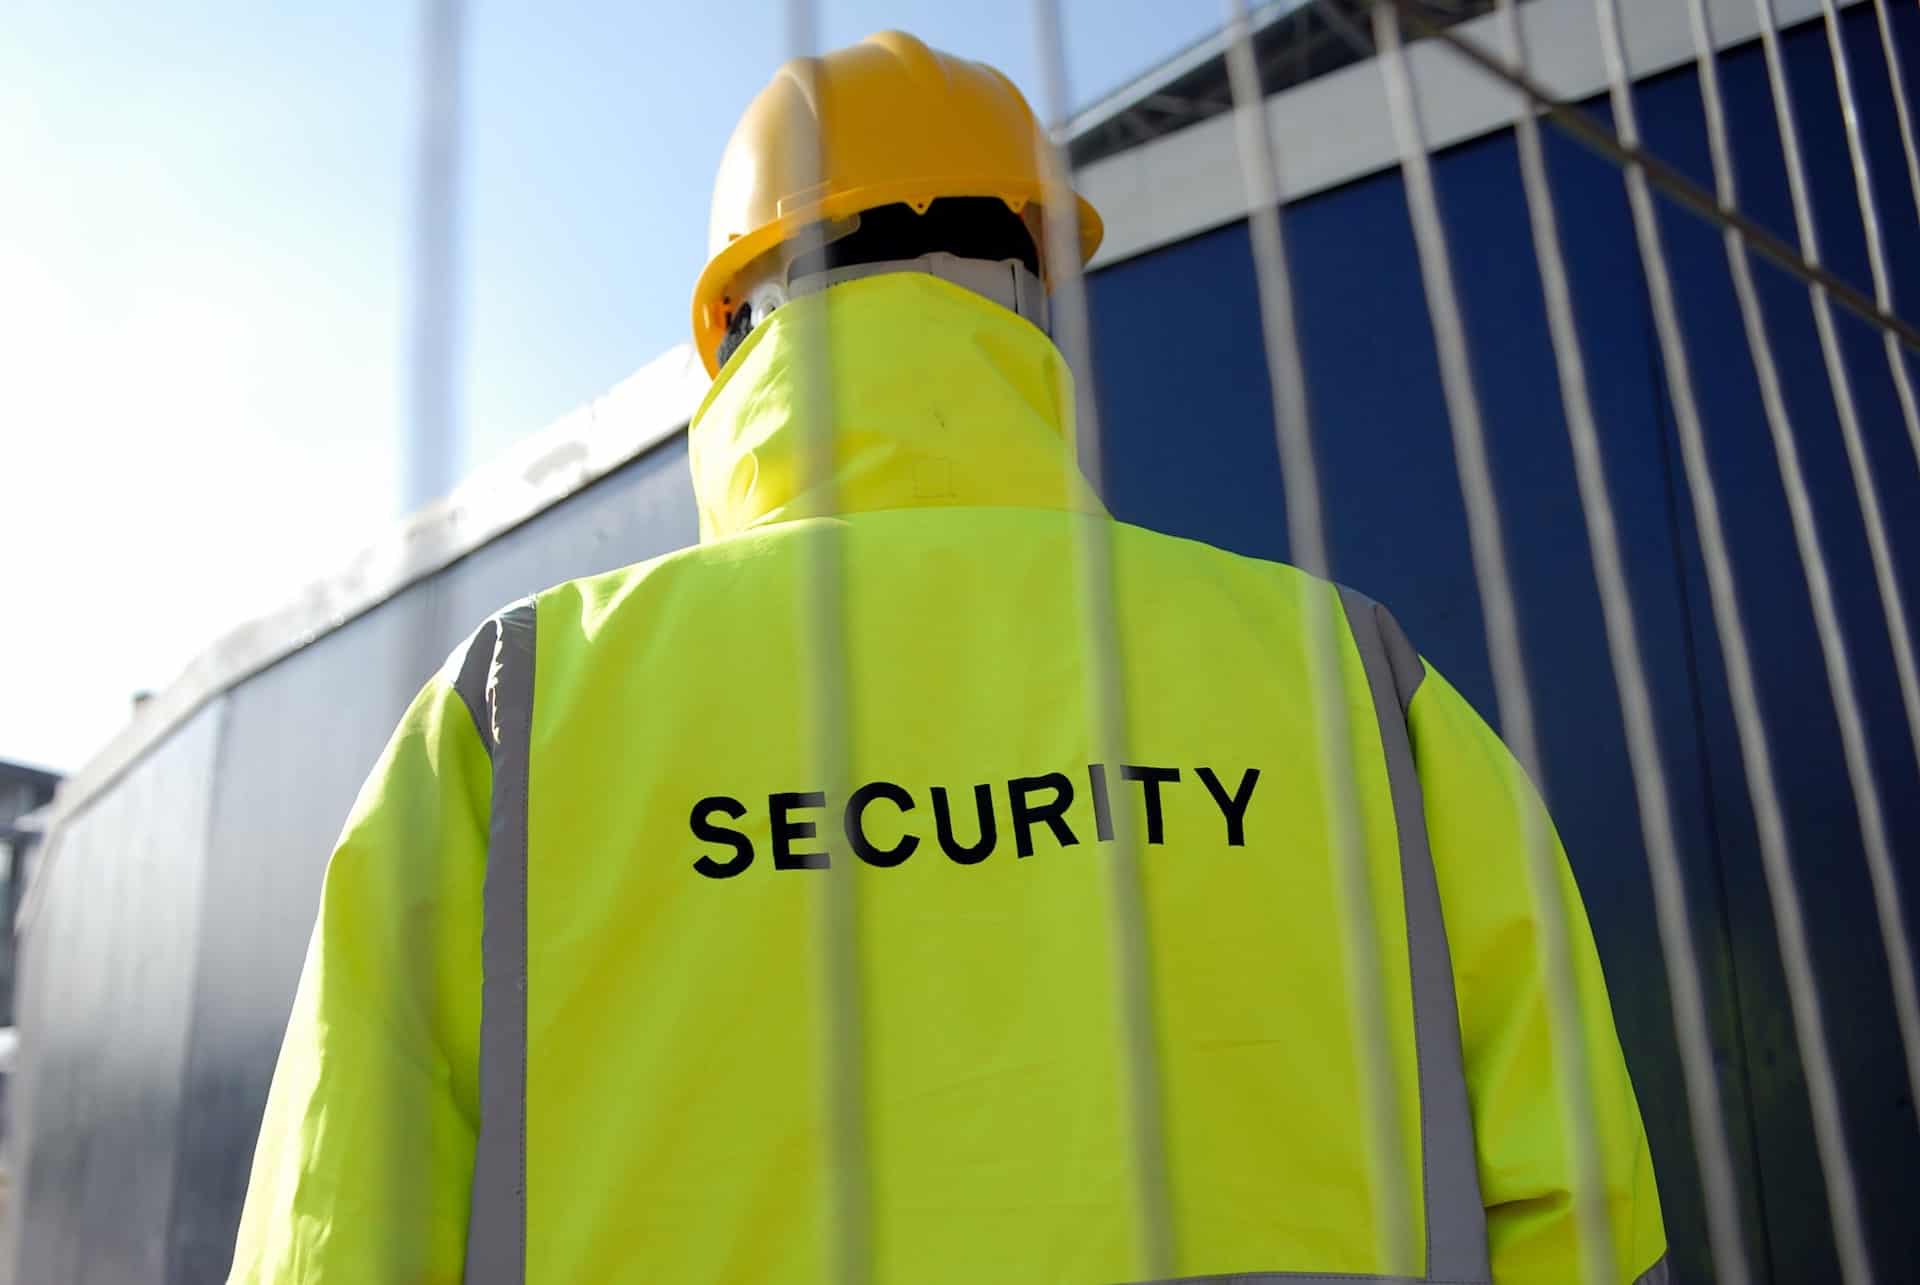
(204, 277)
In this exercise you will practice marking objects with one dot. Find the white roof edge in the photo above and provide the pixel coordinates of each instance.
(633, 417)
(1188, 182)
(1129, 95)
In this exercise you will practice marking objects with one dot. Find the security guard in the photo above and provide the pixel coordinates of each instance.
(660, 948)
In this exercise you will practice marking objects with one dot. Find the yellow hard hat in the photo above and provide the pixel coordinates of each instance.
(885, 121)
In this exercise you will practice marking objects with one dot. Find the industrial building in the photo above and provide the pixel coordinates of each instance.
(165, 929)
(23, 790)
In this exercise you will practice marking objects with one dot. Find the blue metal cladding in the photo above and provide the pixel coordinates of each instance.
(1847, 950)
(1188, 447)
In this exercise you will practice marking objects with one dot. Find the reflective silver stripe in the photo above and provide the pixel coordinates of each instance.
(1307, 1278)
(1661, 1273)
(1456, 1222)
(497, 1219)
(1657, 1274)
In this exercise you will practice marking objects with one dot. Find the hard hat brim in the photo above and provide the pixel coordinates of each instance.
(711, 301)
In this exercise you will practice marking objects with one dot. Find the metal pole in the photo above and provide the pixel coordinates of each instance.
(1750, 723)
(1692, 1030)
(1853, 731)
(822, 624)
(1105, 678)
(1503, 640)
(431, 434)
(1902, 107)
(1307, 543)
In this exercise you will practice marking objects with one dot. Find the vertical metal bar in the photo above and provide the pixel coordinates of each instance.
(1853, 732)
(1307, 542)
(1756, 757)
(1897, 623)
(1897, 77)
(428, 455)
(1692, 1030)
(428, 462)
(1106, 691)
(1503, 637)
(822, 627)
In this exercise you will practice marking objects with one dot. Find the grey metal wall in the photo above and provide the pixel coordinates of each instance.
(161, 963)
(108, 982)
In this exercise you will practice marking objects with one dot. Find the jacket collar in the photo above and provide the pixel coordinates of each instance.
(938, 398)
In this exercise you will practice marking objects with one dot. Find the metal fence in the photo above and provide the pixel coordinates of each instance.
(1491, 41)
(1744, 239)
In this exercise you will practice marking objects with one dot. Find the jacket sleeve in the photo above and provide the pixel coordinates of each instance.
(364, 1163)
(1474, 794)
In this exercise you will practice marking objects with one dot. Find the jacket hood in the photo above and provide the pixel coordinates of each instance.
(938, 398)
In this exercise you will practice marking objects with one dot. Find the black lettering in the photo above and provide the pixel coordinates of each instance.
(1234, 809)
(1053, 812)
(943, 826)
(706, 829)
(1102, 805)
(785, 831)
(857, 838)
(1150, 779)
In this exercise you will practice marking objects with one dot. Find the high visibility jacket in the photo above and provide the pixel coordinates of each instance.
(927, 878)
